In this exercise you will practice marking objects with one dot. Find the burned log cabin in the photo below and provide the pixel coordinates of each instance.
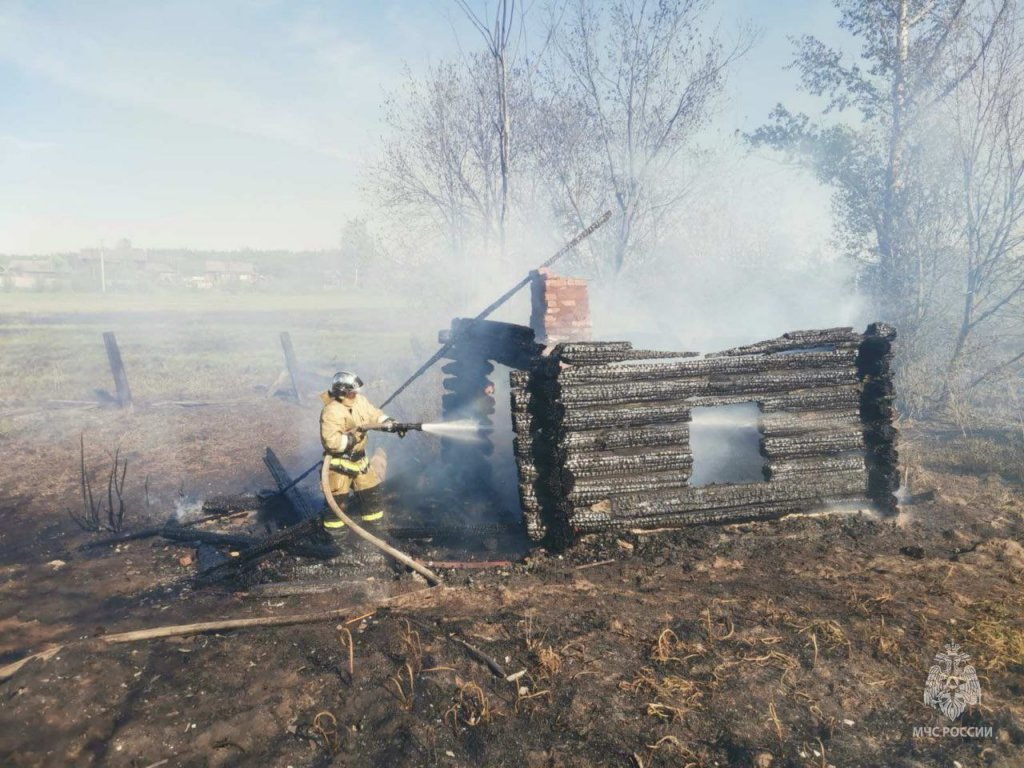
(603, 431)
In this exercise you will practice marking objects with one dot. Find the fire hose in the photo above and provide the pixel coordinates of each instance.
(422, 570)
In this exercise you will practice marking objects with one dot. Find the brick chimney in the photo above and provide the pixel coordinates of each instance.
(560, 308)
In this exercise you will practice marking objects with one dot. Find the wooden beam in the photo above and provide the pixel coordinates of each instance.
(299, 504)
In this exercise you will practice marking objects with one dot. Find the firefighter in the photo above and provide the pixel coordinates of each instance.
(345, 411)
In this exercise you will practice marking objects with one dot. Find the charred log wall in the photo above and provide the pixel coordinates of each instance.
(603, 444)
(475, 346)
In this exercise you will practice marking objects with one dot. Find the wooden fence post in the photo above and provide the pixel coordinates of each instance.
(124, 394)
(291, 362)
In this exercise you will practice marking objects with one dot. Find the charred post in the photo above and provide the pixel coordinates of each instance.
(124, 392)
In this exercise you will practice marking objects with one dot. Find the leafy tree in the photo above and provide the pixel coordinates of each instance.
(881, 142)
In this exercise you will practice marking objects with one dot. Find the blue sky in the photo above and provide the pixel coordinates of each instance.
(231, 123)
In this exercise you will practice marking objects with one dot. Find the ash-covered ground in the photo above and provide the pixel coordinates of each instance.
(801, 642)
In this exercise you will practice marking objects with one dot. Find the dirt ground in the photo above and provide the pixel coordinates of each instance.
(800, 642)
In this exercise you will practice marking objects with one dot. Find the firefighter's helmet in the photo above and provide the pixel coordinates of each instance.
(345, 382)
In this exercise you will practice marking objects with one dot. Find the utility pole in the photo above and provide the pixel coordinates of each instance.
(103, 268)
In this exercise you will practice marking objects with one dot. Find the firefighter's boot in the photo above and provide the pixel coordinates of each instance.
(371, 505)
(333, 524)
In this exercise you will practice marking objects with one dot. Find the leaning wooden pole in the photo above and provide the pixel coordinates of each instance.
(124, 394)
(401, 557)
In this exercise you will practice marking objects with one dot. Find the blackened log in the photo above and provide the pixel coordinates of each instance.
(625, 417)
(628, 391)
(588, 347)
(840, 359)
(612, 438)
(796, 340)
(603, 356)
(600, 464)
(722, 516)
(591, 489)
(815, 466)
(832, 398)
(227, 505)
(820, 444)
(785, 424)
(690, 499)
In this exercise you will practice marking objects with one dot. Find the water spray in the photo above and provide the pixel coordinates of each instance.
(464, 430)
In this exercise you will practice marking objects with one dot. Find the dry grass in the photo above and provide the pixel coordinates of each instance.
(1000, 645)
(773, 718)
(675, 695)
(470, 708)
(549, 663)
(525, 695)
(669, 647)
(406, 695)
(412, 646)
(885, 643)
(687, 757)
(326, 725)
(830, 632)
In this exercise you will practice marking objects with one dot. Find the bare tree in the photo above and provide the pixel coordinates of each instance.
(627, 91)
(497, 37)
(438, 166)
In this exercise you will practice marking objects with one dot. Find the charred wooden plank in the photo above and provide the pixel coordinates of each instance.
(726, 496)
(226, 505)
(625, 416)
(753, 385)
(591, 489)
(831, 398)
(721, 516)
(818, 444)
(708, 366)
(655, 436)
(785, 424)
(877, 413)
(595, 358)
(796, 340)
(597, 352)
(301, 508)
(587, 464)
(817, 466)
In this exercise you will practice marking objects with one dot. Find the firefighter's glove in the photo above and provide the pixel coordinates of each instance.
(390, 425)
(348, 442)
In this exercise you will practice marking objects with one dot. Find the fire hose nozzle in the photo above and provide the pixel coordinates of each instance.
(399, 428)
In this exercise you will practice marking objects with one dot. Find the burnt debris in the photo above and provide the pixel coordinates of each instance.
(602, 443)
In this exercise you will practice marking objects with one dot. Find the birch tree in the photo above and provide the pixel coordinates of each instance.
(627, 90)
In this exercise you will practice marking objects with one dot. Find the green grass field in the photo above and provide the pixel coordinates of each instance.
(192, 301)
(198, 346)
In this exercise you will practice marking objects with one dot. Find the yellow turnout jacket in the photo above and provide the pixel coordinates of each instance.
(339, 417)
